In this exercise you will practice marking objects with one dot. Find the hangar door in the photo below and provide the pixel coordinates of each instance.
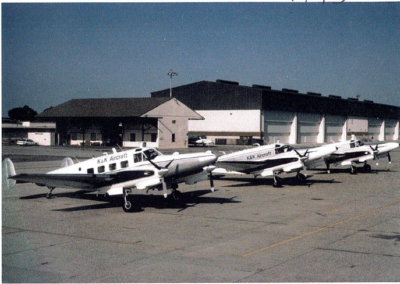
(334, 128)
(390, 129)
(374, 127)
(277, 126)
(308, 127)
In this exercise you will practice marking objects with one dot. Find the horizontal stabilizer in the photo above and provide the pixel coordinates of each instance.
(7, 171)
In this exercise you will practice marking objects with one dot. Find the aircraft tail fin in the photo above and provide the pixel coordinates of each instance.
(67, 162)
(7, 171)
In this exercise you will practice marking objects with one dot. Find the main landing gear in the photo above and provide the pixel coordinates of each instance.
(277, 181)
(367, 168)
(301, 179)
(176, 194)
(48, 195)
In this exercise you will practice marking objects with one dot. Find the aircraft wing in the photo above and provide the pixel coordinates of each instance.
(82, 181)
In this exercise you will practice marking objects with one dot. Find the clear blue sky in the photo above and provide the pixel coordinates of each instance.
(52, 53)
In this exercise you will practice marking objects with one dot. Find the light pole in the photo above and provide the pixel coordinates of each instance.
(170, 74)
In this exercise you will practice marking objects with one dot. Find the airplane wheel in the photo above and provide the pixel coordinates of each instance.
(277, 182)
(301, 179)
(127, 206)
(367, 168)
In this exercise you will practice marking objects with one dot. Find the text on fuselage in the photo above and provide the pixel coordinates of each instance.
(258, 156)
(112, 158)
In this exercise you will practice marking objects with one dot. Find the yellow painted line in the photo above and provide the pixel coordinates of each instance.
(318, 230)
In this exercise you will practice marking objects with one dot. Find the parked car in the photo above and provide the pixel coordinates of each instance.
(26, 142)
(200, 141)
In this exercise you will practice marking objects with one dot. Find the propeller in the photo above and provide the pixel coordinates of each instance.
(375, 153)
(302, 157)
(209, 169)
(162, 171)
(211, 182)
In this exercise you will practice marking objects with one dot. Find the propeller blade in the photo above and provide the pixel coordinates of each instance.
(154, 164)
(297, 153)
(169, 163)
(211, 182)
(164, 186)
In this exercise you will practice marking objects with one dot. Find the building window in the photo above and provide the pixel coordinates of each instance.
(132, 137)
(74, 136)
(173, 137)
(153, 137)
(93, 136)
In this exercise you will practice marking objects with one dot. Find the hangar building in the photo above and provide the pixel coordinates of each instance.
(233, 112)
(160, 122)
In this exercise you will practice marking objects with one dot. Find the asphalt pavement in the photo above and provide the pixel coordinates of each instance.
(336, 228)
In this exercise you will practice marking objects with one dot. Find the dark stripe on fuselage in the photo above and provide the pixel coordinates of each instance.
(341, 157)
(248, 167)
(83, 181)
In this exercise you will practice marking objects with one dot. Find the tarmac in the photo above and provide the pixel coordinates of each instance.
(336, 228)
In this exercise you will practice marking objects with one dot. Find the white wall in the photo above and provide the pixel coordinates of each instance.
(278, 126)
(239, 121)
(42, 138)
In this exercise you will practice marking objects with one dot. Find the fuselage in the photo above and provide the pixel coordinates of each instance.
(255, 160)
(178, 165)
(355, 151)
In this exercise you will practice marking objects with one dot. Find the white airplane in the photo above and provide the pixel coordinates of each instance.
(121, 172)
(271, 160)
(354, 151)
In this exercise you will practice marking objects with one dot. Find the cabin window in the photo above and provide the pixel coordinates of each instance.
(137, 157)
(93, 136)
(74, 136)
(124, 164)
(90, 171)
(132, 137)
(112, 167)
(352, 145)
(101, 169)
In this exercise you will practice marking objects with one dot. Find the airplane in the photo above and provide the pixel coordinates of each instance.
(354, 151)
(121, 172)
(271, 160)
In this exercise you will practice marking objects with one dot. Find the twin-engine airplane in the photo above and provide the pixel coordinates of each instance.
(354, 151)
(121, 172)
(271, 160)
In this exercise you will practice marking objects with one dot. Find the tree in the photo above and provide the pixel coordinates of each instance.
(22, 114)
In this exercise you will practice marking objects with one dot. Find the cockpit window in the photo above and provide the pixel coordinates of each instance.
(151, 154)
(359, 143)
(282, 149)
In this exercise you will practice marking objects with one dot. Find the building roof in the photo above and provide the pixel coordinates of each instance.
(226, 95)
(110, 107)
